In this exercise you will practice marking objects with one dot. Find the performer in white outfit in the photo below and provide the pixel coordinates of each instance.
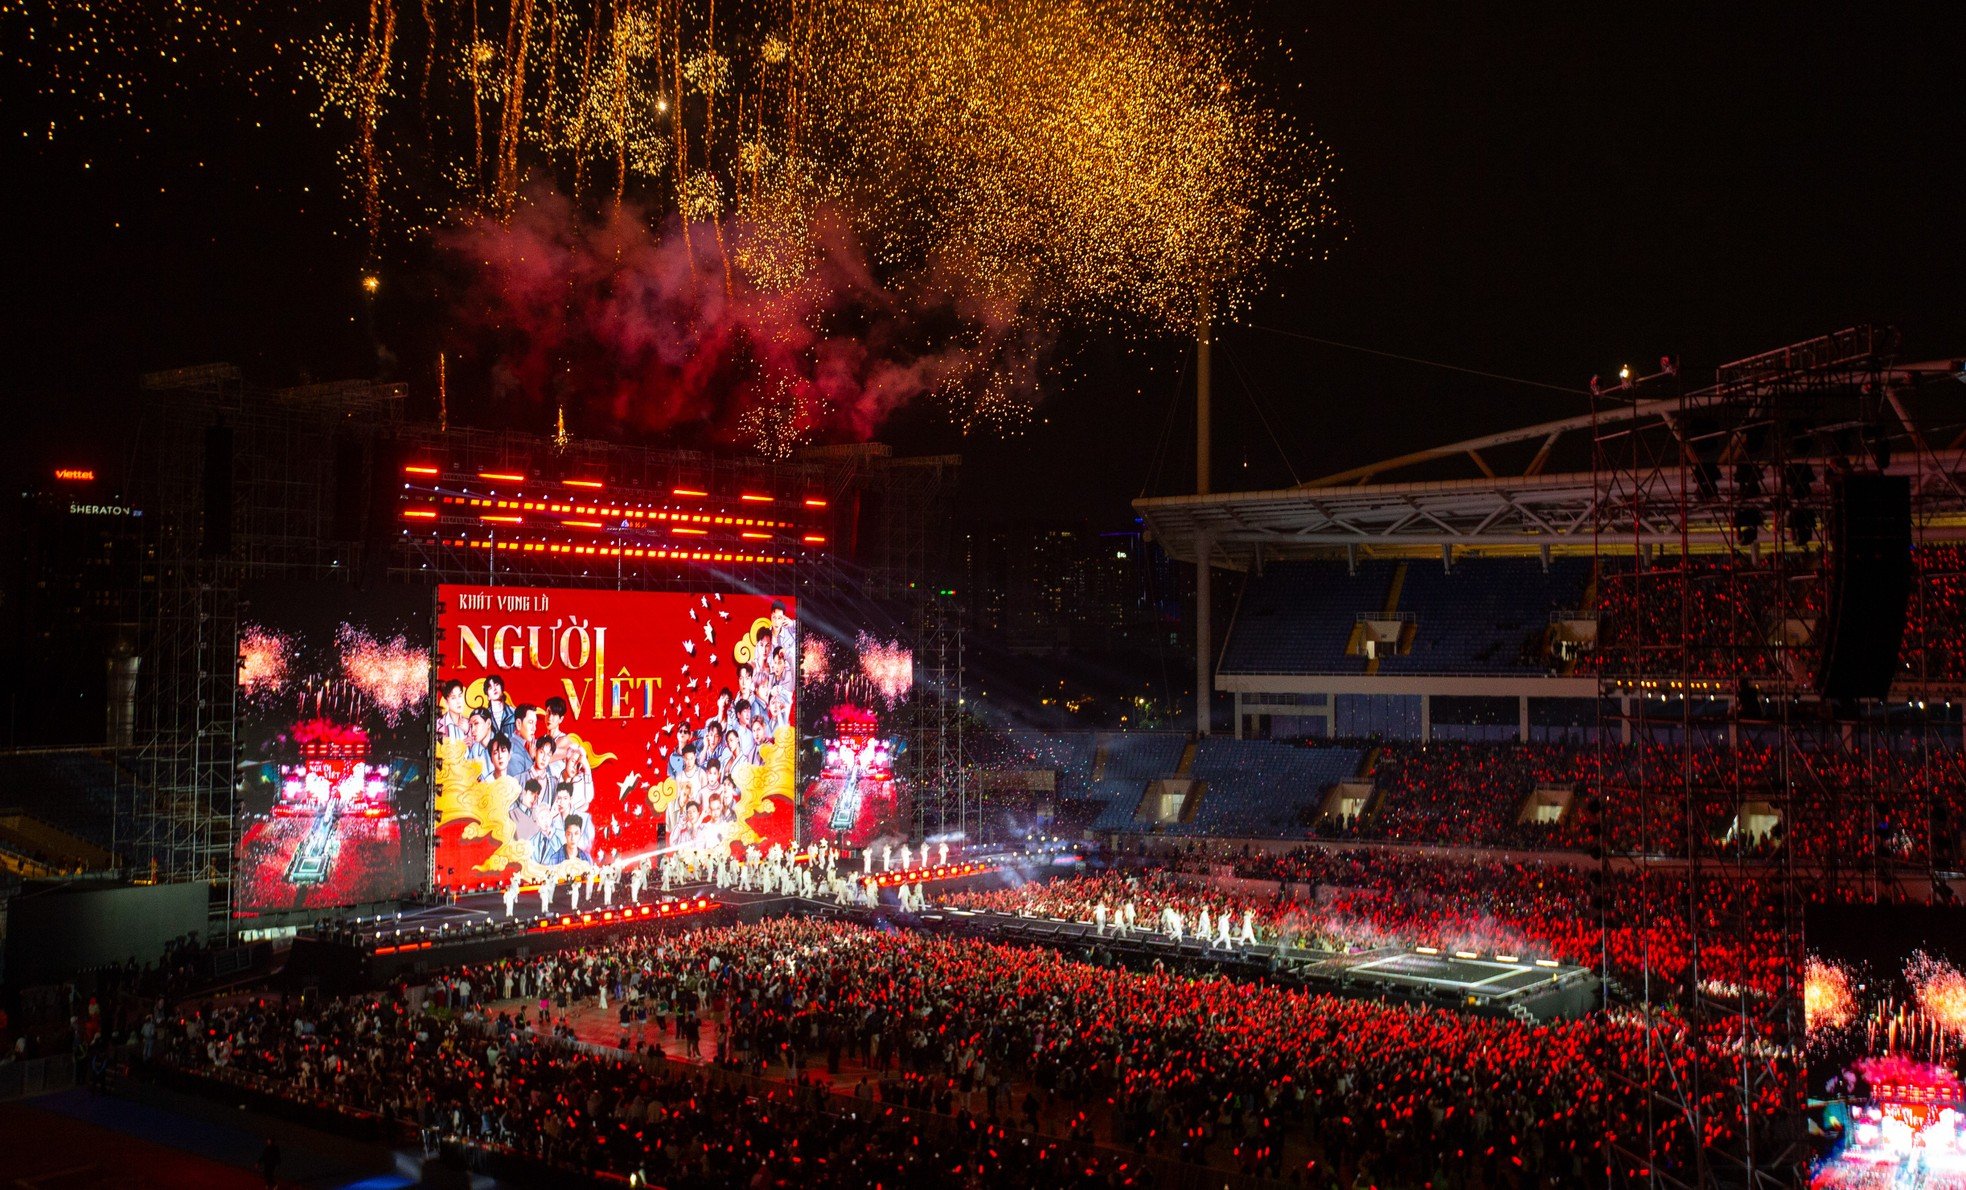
(512, 896)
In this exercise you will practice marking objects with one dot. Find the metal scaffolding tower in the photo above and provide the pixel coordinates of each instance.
(1712, 569)
(942, 793)
(238, 483)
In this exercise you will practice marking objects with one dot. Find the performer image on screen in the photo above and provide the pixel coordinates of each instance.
(502, 713)
(683, 742)
(525, 721)
(478, 730)
(525, 819)
(743, 734)
(454, 722)
(574, 840)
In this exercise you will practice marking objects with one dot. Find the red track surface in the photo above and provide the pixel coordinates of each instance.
(46, 1151)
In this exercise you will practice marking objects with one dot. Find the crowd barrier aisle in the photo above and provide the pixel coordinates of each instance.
(36, 1076)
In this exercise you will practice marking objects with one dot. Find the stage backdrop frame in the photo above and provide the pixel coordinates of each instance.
(613, 676)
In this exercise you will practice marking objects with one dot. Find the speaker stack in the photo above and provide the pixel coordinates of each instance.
(1869, 587)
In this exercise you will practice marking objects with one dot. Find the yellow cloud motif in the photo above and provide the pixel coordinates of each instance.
(772, 777)
(480, 805)
(594, 759)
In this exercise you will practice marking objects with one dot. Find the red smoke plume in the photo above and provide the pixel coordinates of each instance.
(648, 328)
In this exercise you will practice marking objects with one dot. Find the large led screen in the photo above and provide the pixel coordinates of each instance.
(857, 687)
(576, 729)
(1884, 1004)
(334, 723)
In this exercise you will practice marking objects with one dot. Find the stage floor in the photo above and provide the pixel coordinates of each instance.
(1474, 977)
(1482, 982)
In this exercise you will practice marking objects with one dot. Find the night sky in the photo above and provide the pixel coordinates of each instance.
(1542, 191)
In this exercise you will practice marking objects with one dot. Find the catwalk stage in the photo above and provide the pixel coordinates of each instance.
(1538, 989)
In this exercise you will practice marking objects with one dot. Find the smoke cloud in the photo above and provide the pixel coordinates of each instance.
(658, 327)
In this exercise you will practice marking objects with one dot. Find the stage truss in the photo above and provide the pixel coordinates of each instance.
(1710, 525)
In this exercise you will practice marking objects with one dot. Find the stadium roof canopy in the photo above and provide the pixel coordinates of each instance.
(1653, 463)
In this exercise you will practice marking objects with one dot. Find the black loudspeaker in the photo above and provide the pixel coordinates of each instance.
(1869, 587)
(351, 487)
(383, 508)
(216, 539)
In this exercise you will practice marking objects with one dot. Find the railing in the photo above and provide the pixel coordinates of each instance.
(36, 1076)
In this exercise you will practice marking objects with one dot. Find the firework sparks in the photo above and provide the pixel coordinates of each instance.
(707, 73)
(1940, 990)
(888, 666)
(993, 169)
(778, 428)
(814, 662)
(393, 674)
(1827, 999)
(263, 657)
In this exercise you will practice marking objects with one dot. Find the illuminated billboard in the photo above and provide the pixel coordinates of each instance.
(334, 721)
(577, 728)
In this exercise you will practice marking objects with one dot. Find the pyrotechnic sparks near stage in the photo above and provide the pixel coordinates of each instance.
(394, 674)
(1827, 999)
(814, 663)
(1940, 990)
(888, 666)
(262, 660)
(769, 218)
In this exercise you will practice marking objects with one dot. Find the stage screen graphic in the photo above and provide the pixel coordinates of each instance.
(858, 686)
(334, 722)
(1884, 1003)
(576, 728)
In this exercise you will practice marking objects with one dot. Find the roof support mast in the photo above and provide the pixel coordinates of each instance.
(1204, 626)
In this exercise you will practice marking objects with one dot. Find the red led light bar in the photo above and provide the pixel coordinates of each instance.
(752, 498)
(583, 483)
(585, 524)
(755, 536)
(691, 532)
(688, 492)
(504, 520)
(681, 554)
(815, 502)
(813, 539)
(421, 514)
(507, 476)
(419, 469)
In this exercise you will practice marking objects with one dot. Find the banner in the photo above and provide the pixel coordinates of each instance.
(334, 688)
(575, 729)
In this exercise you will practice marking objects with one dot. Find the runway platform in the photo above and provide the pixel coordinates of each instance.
(1512, 985)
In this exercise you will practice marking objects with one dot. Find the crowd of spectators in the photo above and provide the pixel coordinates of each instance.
(1362, 899)
(1321, 1090)
(1935, 617)
(1858, 804)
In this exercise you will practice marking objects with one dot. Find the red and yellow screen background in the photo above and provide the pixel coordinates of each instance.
(640, 676)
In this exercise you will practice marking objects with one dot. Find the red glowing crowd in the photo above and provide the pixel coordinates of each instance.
(1246, 1075)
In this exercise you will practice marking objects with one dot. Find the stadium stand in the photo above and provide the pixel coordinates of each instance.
(1486, 617)
(74, 790)
(1297, 617)
(1263, 789)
